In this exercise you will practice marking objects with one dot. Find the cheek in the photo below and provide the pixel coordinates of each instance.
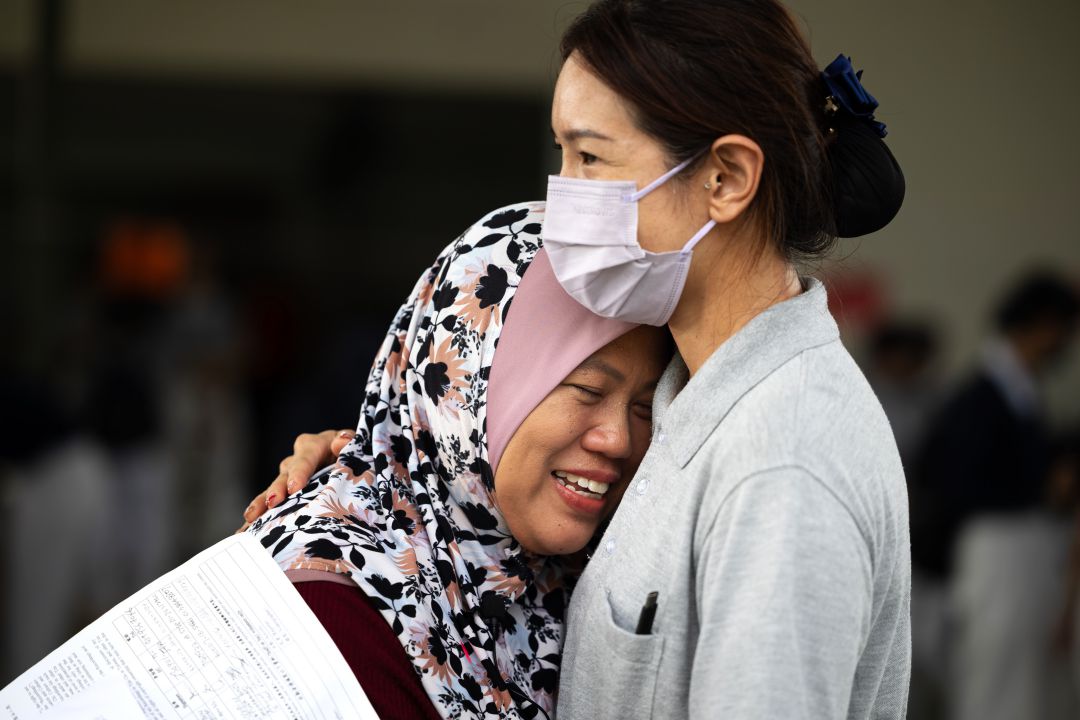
(518, 484)
(655, 233)
(526, 463)
(668, 222)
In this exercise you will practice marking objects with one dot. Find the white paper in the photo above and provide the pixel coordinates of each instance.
(224, 635)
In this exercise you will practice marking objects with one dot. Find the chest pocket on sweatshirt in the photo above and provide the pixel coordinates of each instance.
(628, 677)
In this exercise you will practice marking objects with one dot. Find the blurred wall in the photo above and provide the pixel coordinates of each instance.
(507, 46)
(982, 121)
(975, 94)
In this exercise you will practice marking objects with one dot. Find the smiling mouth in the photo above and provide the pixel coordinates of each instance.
(582, 486)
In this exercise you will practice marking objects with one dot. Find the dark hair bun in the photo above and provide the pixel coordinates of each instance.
(868, 184)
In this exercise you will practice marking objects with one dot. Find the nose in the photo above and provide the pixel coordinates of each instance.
(610, 435)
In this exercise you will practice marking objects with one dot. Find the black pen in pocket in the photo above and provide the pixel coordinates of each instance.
(648, 612)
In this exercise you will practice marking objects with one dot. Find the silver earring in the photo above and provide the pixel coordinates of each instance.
(708, 185)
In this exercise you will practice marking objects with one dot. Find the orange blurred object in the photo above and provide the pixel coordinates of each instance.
(145, 258)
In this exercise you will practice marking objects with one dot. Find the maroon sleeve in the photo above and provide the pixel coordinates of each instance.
(371, 649)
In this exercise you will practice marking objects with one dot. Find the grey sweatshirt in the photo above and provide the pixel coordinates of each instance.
(770, 514)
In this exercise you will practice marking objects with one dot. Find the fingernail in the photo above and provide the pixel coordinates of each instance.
(345, 434)
(272, 498)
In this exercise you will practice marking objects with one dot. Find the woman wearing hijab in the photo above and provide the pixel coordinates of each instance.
(759, 566)
(432, 549)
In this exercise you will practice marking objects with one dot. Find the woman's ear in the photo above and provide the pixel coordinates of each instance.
(734, 165)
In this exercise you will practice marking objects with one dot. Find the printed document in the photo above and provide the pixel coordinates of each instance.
(224, 635)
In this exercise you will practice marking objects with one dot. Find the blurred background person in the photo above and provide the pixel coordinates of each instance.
(94, 507)
(1013, 645)
(990, 547)
(903, 366)
(56, 476)
(207, 423)
(1065, 494)
(987, 450)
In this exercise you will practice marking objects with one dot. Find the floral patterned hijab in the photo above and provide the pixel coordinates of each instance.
(407, 512)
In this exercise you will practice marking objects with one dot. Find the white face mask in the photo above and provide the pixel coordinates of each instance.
(590, 232)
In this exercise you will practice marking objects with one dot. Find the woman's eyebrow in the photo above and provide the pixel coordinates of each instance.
(578, 133)
(598, 365)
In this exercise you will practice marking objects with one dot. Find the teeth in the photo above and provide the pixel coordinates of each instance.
(571, 480)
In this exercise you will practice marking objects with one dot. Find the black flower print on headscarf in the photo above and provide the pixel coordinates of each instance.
(407, 511)
(492, 286)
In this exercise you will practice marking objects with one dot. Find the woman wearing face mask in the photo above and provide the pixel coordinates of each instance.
(770, 512)
(704, 154)
(431, 549)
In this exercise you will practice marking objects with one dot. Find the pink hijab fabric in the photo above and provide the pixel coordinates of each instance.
(546, 335)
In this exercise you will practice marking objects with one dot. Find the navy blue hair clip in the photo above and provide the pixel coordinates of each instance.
(847, 93)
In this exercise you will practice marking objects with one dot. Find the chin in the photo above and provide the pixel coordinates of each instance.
(566, 544)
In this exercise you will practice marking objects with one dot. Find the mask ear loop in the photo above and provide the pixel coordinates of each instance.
(689, 247)
(634, 197)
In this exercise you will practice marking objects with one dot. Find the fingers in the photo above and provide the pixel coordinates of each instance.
(242, 528)
(256, 508)
(268, 498)
(310, 452)
(298, 467)
(298, 478)
(275, 493)
(341, 439)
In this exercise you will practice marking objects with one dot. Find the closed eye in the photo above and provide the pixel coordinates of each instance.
(587, 392)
